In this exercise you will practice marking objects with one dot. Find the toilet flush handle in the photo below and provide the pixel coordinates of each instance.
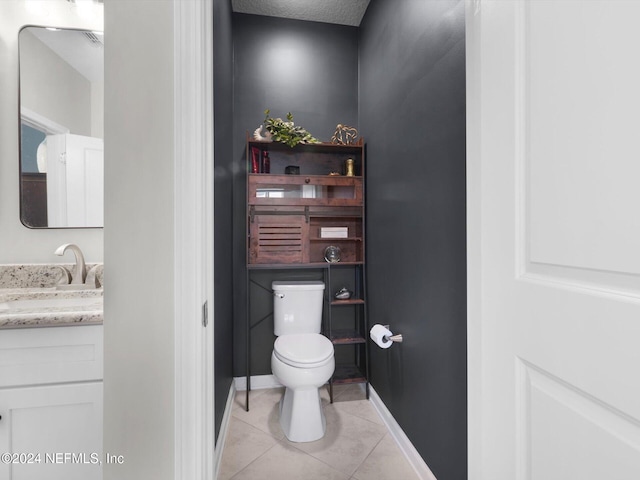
(279, 295)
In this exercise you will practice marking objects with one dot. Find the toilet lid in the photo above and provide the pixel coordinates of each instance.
(303, 349)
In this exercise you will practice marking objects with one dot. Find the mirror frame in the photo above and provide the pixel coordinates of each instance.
(33, 119)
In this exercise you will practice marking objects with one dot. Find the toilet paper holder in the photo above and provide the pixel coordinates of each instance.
(394, 338)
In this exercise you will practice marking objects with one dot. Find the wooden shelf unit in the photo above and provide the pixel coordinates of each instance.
(285, 217)
(346, 325)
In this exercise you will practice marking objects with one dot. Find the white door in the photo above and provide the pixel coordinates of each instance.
(75, 181)
(554, 239)
(85, 181)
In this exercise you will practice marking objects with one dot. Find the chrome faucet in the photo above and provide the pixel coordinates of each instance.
(80, 270)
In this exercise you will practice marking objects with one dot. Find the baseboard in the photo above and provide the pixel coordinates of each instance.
(224, 428)
(413, 457)
(258, 382)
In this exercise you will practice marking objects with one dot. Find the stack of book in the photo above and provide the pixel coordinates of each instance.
(260, 162)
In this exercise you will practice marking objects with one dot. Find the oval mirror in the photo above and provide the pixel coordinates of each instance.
(61, 127)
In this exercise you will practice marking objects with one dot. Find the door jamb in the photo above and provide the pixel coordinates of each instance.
(193, 217)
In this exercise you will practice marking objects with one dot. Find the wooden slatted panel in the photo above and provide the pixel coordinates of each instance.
(278, 239)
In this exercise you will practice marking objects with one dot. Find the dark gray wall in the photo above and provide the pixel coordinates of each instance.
(223, 214)
(412, 114)
(306, 68)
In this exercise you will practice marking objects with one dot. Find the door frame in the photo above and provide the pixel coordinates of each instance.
(474, 240)
(194, 444)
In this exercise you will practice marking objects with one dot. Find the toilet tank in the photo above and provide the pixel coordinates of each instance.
(297, 307)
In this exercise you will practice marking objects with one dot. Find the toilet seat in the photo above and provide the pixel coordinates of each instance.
(307, 350)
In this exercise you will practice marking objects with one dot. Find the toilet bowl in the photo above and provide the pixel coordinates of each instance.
(302, 363)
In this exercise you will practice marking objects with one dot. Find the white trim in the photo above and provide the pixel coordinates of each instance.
(258, 382)
(211, 465)
(193, 159)
(404, 444)
(40, 122)
(474, 187)
(224, 428)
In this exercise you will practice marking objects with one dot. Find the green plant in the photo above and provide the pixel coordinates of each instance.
(286, 131)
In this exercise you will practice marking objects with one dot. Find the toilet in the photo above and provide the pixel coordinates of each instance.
(302, 358)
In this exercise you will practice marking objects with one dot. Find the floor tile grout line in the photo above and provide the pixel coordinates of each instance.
(331, 466)
(258, 428)
(242, 393)
(255, 459)
(286, 444)
(241, 405)
(366, 419)
(369, 454)
(292, 444)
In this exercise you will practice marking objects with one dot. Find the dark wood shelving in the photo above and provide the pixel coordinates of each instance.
(269, 145)
(287, 266)
(322, 147)
(346, 337)
(312, 159)
(329, 240)
(311, 176)
(350, 301)
(348, 374)
(322, 213)
(286, 215)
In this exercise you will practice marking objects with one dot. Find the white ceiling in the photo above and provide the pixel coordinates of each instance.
(81, 49)
(342, 12)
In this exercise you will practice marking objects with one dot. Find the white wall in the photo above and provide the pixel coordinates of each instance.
(139, 239)
(19, 244)
(51, 87)
(97, 109)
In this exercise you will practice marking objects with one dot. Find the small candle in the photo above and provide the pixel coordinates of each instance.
(349, 167)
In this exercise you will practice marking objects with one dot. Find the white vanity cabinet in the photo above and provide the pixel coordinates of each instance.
(51, 403)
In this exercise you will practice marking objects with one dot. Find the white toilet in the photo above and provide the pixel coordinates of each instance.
(302, 358)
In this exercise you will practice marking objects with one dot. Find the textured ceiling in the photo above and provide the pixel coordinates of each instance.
(342, 12)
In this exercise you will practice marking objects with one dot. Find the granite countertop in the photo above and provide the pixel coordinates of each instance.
(49, 307)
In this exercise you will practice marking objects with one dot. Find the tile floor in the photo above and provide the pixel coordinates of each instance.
(356, 445)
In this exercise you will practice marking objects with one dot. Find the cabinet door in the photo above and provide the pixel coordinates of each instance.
(61, 423)
(305, 190)
(279, 239)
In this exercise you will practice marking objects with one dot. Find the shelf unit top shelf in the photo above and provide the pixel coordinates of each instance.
(307, 147)
(303, 175)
